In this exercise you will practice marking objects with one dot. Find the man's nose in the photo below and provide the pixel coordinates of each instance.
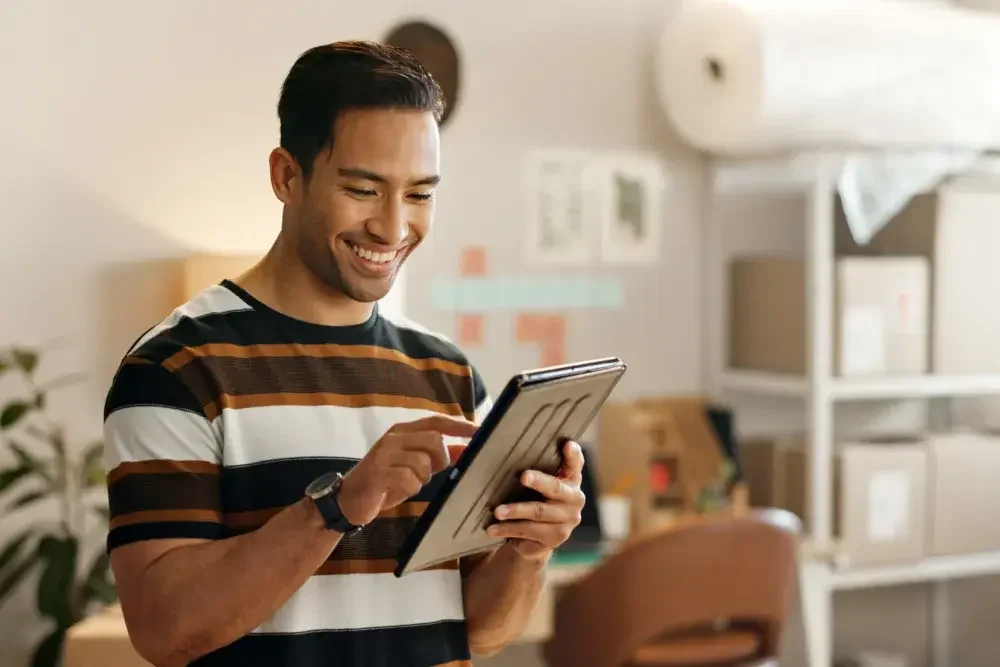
(390, 226)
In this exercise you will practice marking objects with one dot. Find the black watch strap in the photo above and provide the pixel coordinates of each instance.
(333, 516)
(324, 491)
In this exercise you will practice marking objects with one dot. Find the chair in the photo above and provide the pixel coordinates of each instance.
(710, 593)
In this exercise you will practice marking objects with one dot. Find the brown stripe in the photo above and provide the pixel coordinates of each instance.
(161, 467)
(135, 360)
(165, 516)
(189, 354)
(236, 402)
(375, 566)
(456, 663)
(257, 518)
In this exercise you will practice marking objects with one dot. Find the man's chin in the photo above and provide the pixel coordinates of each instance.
(369, 290)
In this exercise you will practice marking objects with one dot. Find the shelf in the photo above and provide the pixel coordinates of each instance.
(797, 173)
(861, 389)
(939, 568)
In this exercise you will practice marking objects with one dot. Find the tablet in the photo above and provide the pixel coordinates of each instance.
(535, 413)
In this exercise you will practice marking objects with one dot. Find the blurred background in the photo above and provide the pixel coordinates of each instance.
(810, 324)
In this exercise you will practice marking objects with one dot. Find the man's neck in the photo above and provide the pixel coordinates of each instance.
(282, 282)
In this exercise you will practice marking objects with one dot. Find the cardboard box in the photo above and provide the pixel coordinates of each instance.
(879, 494)
(964, 494)
(772, 482)
(665, 446)
(955, 228)
(881, 315)
(101, 641)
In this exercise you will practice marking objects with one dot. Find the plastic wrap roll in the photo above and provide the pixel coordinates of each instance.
(741, 77)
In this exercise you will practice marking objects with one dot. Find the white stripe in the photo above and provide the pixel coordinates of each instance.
(151, 433)
(483, 409)
(360, 601)
(303, 431)
(215, 299)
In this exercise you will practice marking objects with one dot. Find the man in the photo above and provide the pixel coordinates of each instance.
(252, 433)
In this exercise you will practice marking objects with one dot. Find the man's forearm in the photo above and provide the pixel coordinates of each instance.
(501, 593)
(198, 598)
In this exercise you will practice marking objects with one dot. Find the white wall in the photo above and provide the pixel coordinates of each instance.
(137, 131)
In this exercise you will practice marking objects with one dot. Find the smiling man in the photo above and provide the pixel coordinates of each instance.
(270, 444)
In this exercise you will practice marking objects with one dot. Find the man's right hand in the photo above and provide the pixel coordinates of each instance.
(398, 465)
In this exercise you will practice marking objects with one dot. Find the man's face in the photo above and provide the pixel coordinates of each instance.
(369, 202)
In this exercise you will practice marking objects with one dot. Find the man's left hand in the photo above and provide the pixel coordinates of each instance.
(536, 528)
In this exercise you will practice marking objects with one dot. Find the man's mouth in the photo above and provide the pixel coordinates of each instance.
(376, 262)
(373, 257)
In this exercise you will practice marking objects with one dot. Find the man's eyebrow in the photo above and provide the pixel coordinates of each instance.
(353, 172)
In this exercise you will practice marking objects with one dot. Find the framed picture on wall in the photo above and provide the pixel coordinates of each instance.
(561, 207)
(632, 193)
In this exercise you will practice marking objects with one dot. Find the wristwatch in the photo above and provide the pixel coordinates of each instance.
(323, 491)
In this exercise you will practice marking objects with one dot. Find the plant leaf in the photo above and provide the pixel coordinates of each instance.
(56, 583)
(10, 580)
(30, 497)
(97, 585)
(49, 652)
(12, 413)
(4, 367)
(103, 511)
(13, 548)
(92, 470)
(10, 476)
(28, 460)
(26, 360)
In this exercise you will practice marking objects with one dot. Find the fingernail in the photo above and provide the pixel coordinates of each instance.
(529, 478)
(492, 531)
(502, 511)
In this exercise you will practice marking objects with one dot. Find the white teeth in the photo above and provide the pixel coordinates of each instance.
(374, 257)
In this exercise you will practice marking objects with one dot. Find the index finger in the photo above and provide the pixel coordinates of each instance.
(443, 424)
(572, 468)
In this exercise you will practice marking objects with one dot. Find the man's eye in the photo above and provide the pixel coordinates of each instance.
(423, 196)
(361, 192)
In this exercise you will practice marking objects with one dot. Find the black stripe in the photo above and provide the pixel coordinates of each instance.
(282, 482)
(194, 530)
(138, 384)
(380, 540)
(139, 492)
(256, 327)
(479, 388)
(346, 376)
(408, 646)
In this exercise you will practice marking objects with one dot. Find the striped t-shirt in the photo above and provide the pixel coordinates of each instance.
(221, 415)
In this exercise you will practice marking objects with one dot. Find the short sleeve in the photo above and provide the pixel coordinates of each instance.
(163, 456)
(483, 400)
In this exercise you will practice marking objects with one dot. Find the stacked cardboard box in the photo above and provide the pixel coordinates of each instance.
(893, 502)
(662, 452)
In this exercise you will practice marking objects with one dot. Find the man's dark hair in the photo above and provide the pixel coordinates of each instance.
(327, 80)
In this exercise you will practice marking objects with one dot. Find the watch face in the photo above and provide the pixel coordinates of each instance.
(321, 485)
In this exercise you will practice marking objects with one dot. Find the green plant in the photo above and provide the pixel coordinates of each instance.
(45, 469)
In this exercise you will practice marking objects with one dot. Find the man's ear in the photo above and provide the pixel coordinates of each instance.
(286, 175)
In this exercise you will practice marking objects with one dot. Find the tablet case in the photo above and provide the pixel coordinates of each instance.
(534, 414)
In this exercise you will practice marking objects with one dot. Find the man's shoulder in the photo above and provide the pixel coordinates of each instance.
(205, 318)
(416, 340)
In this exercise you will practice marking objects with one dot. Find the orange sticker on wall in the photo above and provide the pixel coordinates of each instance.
(539, 328)
(469, 329)
(473, 262)
(553, 353)
(549, 331)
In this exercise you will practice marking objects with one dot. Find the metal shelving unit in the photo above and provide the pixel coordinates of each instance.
(815, 177)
